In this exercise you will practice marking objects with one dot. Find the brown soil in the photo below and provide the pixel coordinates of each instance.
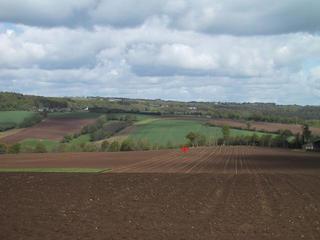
(10, 132)
(223, 159)
(262, 126)
(209, 193)
(53, 129)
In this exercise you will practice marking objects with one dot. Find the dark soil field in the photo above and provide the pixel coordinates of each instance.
(207, 193)
(262, 126)
(53, 129)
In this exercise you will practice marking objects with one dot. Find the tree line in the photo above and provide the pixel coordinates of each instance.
(268, 112)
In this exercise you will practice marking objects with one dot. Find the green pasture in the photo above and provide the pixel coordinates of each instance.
(16, 117)
(31, 143)
(162, 131)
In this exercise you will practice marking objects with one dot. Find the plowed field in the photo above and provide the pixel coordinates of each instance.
(263, 126)
(207, 193)
(53, 129)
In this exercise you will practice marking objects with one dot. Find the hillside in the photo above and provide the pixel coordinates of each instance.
(266, 112)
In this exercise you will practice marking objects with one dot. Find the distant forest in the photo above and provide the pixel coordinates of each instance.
(268, 112)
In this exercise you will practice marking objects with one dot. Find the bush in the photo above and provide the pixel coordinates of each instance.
(60, 148)
(196, 139)
(40, 148)
(98, 135)
(104, 146)
(30, 121)
(15, 148)
(127, 145)
(114, 147)
(3, 148)
(90, 147)
(143, 144)
(7, 126)
(202, 140)
(67, 138)
(73, 147)
(101, 121)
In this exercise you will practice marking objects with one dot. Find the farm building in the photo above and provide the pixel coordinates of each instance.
(314, 146)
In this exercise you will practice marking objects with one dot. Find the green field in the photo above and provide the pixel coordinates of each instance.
(16, 117)
(162, 131)
(30, 144)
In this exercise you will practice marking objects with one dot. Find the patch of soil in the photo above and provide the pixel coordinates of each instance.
(222, 159)
(53, 129)
(262, 126)
(159, 206)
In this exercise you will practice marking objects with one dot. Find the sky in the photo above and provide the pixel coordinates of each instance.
(204, 50)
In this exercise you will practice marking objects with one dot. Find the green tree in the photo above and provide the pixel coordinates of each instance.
(143, 144)
(191, 136)
(15, 148)
(90, 147)
(101, 121)
(40, 148)
(114, 147)
(3, 148)
(226, 133)
(98, 135)
(67, 138)
(255, 139)
(306, 133)
(127, 145)
(105, 145)
(266, 140)
(201, 140)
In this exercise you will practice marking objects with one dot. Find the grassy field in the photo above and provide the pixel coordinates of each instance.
(174, 131)
(16, 117)
(31, 143)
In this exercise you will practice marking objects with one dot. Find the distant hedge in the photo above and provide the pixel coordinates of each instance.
(30, 121)
(7, 126)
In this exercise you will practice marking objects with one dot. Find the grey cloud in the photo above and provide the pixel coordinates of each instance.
(242, 17)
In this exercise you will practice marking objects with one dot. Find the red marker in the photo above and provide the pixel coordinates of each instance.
(184, 149)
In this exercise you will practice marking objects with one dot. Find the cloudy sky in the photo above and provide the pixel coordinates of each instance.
(222, 50)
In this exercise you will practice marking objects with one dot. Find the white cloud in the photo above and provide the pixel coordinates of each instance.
(162, 49)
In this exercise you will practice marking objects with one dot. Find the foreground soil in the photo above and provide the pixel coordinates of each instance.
(159, 206)
(207, 193)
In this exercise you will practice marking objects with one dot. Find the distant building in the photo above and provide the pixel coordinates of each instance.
(313, 146)
(192, 108)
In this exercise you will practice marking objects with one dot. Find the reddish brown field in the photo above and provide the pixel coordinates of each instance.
(207, 193)
(222, 159)
(262, 126)
(53, 129)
